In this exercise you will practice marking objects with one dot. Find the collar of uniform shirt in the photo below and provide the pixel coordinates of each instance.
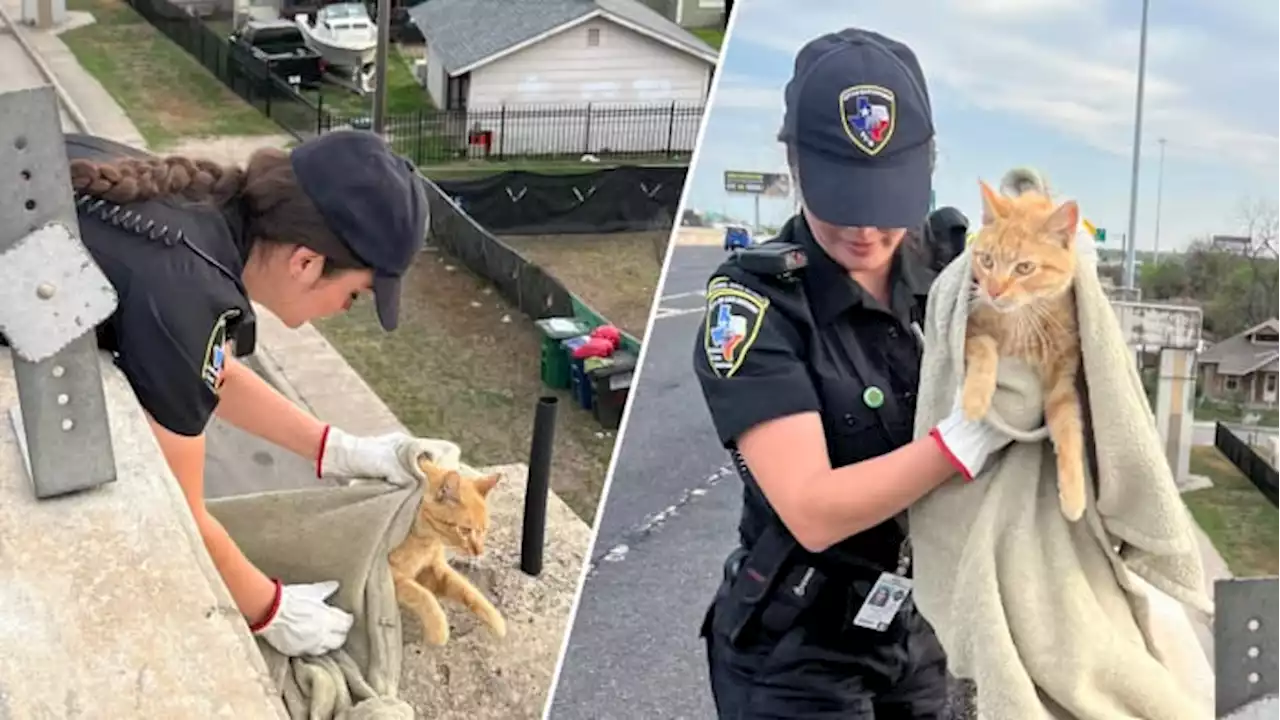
(831, 291)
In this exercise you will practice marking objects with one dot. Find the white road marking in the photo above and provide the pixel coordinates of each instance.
(677, 296)
(665, 313)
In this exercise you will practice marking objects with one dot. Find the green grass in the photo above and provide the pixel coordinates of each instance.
(165, 92)
(404, 95)
(712, 36)
(1239, 521)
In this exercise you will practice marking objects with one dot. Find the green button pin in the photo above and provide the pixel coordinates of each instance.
(873, 397)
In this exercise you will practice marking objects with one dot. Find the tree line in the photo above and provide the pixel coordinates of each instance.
(1236, 288)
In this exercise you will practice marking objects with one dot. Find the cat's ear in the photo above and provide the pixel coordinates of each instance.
(486, 484)
(1063, 223)
(994, 207)
(450, 490)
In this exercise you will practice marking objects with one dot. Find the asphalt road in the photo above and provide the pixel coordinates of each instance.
(669, 520)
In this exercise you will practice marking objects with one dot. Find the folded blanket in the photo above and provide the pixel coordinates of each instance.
(1047, 616)
(344, 534)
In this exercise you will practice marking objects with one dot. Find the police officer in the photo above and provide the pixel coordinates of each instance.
(186, 245)
(809, 362)
(945, 233)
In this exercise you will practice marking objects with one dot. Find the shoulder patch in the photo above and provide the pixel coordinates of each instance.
(215, 352)
(733, 319)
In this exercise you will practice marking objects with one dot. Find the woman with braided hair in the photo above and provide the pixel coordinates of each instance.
(187, 244)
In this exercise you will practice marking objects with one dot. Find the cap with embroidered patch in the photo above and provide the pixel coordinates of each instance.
(859, 121)
(373, 200)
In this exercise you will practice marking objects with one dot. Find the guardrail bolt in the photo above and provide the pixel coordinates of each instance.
(45, 290)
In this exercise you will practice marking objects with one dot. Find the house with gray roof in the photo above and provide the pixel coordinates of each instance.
(1243, 366)
(505, 53)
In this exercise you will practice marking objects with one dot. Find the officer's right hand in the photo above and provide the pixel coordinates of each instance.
(302, 623)
(967, 444)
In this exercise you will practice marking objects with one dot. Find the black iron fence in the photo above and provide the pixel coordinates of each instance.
(664, 130)
(428, 137)
(1260, 472)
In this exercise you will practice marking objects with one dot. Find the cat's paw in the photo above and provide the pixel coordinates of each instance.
(1071, 489)
(975, 401)
(497, 624)
(435, 632)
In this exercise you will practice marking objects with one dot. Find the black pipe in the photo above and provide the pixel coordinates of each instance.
(535, 494)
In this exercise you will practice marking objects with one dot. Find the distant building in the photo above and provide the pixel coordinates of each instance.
(691, 13)
(1244, 366)
(1234, 244)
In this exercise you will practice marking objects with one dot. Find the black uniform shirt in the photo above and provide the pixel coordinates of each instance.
(176, 268)
(816, 342)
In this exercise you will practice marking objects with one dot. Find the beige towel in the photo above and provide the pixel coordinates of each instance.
(1043, 614)
(344, 534)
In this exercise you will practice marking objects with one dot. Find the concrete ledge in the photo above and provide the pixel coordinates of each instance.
(109, 605)
(476, 676)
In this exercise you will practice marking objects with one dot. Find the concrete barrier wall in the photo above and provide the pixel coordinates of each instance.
(109, 605)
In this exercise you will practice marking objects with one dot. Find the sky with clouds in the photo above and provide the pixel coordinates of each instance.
(1046, 83)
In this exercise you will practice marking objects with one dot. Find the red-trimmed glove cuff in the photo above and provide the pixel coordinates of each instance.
(271, 613)
(324, 440)
(950, 456)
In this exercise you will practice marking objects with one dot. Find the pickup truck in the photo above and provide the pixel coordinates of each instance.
(263, 48)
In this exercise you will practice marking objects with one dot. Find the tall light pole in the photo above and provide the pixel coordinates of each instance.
(1131, 248)
(1159, 197)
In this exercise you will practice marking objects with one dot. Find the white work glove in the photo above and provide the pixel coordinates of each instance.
(391, 457)
(967, 443)
(302, 623)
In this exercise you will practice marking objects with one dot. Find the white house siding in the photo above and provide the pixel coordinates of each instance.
(436, 78)
(630, 93)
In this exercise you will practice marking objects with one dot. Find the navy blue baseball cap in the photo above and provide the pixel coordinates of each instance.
(860, 125)
(373, 200)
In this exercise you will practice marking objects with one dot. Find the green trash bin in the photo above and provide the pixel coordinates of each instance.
(555, 363)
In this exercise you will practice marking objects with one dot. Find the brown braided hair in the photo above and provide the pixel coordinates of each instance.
(278, 212)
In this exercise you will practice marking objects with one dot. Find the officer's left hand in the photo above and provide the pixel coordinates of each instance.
(392, 457)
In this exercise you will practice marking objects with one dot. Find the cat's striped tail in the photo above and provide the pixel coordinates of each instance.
(1022, 180)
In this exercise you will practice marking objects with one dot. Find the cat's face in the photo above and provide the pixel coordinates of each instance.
(1025, 251)
(456, 507)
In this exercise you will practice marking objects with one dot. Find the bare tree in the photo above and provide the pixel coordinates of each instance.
(1261, 223)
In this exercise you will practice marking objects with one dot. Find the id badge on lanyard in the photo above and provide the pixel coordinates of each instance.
(888, 595)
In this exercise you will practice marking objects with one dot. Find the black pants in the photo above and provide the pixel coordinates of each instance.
(825, 667)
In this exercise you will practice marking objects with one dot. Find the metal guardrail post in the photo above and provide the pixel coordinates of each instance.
(52, 296)
(1244, 641)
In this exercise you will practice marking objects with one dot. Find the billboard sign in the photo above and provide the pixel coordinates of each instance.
(757, 183)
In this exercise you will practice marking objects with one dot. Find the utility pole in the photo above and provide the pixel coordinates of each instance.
(380, 67)
(1131, 249)
(1159, 198)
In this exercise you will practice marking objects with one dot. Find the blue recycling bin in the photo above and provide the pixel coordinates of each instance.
(579, 384)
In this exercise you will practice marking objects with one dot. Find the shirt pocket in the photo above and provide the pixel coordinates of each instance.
(854, 431)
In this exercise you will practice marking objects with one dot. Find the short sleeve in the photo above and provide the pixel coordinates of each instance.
(173, 352)
(748, 360)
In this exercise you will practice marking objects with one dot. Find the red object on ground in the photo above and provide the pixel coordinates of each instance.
(595, 347)
(610, 333)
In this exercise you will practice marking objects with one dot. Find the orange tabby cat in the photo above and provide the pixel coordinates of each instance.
(1024, 261)
(453, 515)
